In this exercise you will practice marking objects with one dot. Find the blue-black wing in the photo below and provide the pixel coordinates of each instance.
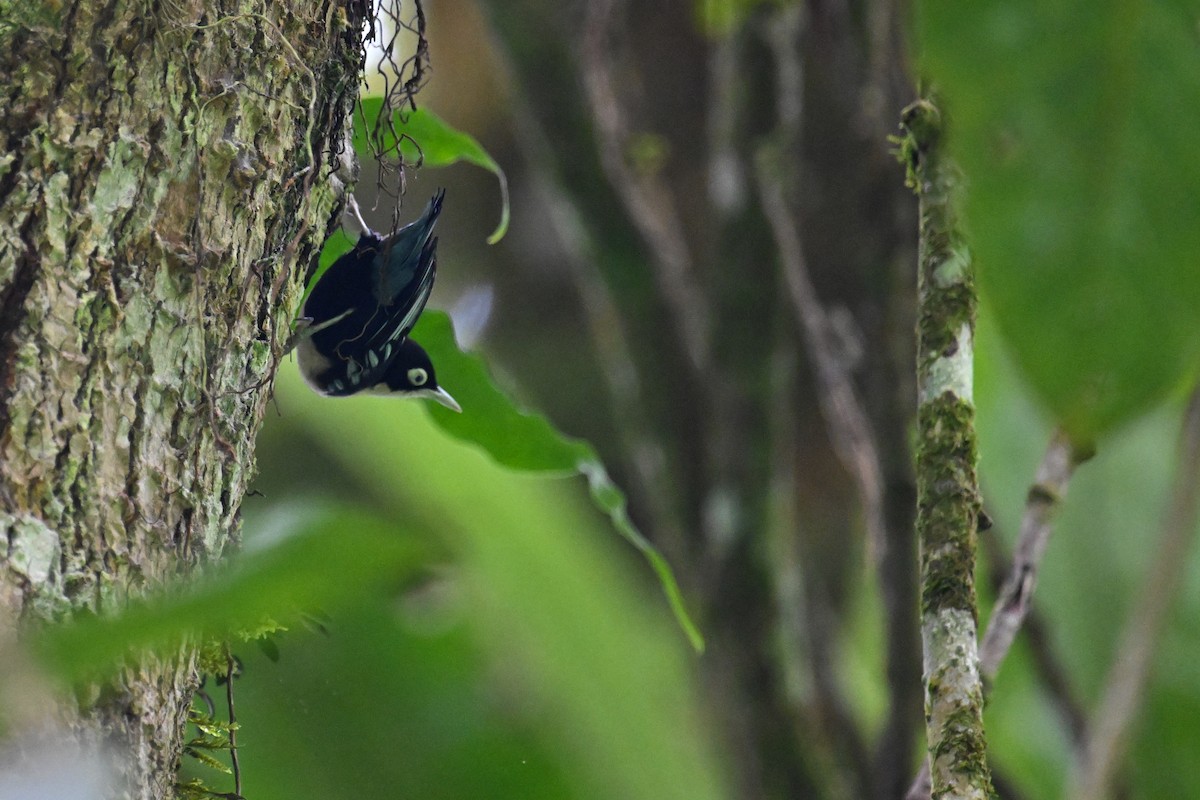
(411, 284)
(373, 295)
(406, 256)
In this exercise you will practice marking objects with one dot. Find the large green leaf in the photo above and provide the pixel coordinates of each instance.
(421, 136)
(1075, 123)
(1089, 579)
(516, 439)
(524, 441)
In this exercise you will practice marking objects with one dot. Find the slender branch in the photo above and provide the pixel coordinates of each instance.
(783, 35)
(1051, 672)
(643, 453)
(649, 202)
(1126, 687)
(842, 408)
(230, 674)
(922, 785)
(887, 69)
(1016, 596)
(353, 214)
(726, 167)
(948, 504)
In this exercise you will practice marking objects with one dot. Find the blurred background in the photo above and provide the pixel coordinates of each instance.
(710, 239)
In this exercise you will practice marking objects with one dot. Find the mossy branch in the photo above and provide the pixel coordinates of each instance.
(948, 504)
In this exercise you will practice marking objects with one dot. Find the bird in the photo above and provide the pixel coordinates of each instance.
(353, 328)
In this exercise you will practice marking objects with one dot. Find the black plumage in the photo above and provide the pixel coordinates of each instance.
(360, 312)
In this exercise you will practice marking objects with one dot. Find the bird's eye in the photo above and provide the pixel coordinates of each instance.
(417, 376)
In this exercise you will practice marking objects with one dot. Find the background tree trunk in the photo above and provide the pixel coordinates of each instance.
(165, 178)
(651, 132)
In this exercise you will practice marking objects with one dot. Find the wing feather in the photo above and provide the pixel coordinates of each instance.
(398, 275)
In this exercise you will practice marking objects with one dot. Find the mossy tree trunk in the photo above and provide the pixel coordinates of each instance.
(165, 180)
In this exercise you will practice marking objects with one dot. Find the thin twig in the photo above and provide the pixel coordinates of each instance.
(233, 749)
(843, 409)
(354, 213)
(922, 785)
(1041, 506)
(886, 70)
(849, 427)
(841, 406)
(643, 453)
(651, 207)
(726, 167)
(1126, 687)
(1051, 672)
(402, 77)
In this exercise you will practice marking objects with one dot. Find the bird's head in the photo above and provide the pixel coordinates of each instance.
(411, 374)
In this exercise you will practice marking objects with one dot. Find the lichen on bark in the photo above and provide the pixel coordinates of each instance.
(164, 185)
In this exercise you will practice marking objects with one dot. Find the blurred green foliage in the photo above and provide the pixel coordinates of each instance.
(523, 441)
(1074, 127)
(298, 563)
(1093, 568)
(1074, 123)
(523, 663)
(544, 597)
(528, 442)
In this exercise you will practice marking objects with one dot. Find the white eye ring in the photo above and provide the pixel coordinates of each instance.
(417, 376)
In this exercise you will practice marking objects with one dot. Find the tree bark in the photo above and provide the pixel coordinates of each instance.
(948, 500)
(165, 178)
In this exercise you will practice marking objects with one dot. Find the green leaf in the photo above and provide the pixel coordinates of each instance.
(1075, 123)
(544, 594)
(207, 760)
(422, 137)
(516, 439)
(1092, 576)
(194, 789)
(210, 742)
(384, 708)
(303, 563)
(524, 441)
